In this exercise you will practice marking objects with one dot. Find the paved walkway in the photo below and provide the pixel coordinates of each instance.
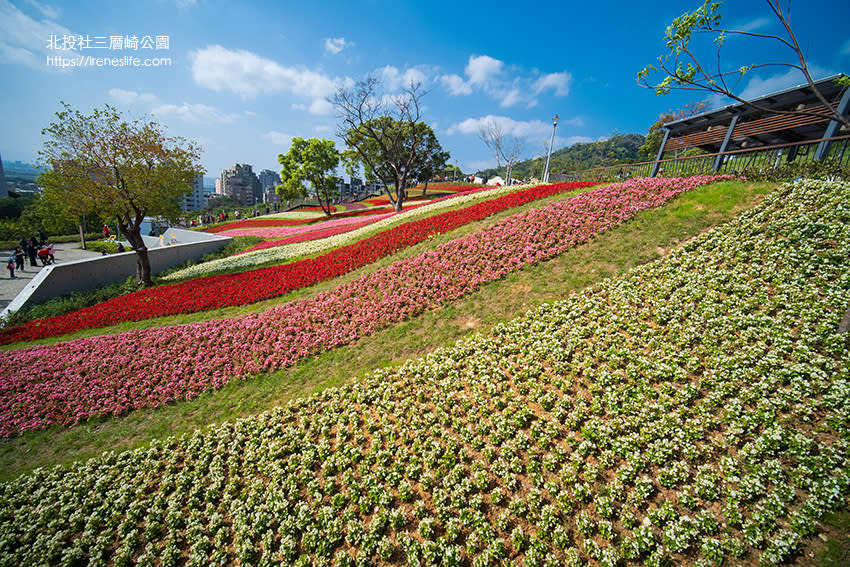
(9, 288)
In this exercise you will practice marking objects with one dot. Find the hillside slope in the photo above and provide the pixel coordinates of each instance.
(691, 412)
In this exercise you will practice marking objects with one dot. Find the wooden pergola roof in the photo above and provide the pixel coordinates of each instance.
(753, 127)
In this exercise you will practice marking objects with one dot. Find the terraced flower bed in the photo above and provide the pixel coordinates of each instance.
(694, 412)
(286, 231)
(249, 287)
(279, 252)
(74, 380)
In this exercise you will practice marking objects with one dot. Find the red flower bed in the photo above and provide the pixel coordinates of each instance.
(227, 290)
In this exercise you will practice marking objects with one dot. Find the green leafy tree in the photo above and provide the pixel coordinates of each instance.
(120, 169)
(653, 140)
(12, 206)
(310, 161)
(432, 160)
(385, 134)
(43, 215)
(681, 68)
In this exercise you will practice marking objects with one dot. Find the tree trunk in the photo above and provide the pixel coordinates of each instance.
(82, 237)
(143, 262)
(400, 192)
(424, 189)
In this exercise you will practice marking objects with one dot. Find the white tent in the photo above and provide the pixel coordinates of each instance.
(495, 181)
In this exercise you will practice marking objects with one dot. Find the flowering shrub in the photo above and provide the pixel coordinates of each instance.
(70, 381)
(726, 349)
(249, 287)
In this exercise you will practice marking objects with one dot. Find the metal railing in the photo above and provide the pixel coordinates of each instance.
(735, 161)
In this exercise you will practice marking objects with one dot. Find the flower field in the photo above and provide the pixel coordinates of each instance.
(308, 236)
(283, 252)
(285, 231)
(74, 380)
(249, 287)
(693, 412)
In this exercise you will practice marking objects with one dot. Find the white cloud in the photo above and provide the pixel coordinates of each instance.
(321, 106)
(510, 98)
(197, 113)
(24, 40)
(278, 138)
(184, 4)
(131, 97)
(482, 68)
(529, 129)
(456, 85)
(486, 74)
(753, 25)
(393, 79)
(248, 74)
(758, 86)
(12, 54)
(481, 71)
(335, 45)
(49, 12)
(558, 82)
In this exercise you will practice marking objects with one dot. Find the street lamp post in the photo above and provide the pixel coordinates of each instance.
(549, 155)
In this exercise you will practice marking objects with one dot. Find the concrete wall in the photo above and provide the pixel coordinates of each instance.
(80, 275)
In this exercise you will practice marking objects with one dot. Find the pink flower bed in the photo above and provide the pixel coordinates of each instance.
(74, 380)
(315, 231)
(305, 237)
(286, 231)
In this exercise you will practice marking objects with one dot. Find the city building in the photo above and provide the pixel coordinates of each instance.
(269, 180)
(270, 196)
(356, 190)
(195, 200)
(240, 182)
(343, 189)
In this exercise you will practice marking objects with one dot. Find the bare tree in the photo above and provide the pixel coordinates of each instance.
(507, 149)
(682, 69)
(385, 133)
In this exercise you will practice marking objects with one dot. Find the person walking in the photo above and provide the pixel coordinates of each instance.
(10, 265)
(19, 258)
(32, 248)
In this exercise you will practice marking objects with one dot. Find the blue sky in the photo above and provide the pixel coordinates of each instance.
(243, 78)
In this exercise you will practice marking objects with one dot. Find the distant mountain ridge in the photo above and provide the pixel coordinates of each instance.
(622, 148)
(19, 170)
